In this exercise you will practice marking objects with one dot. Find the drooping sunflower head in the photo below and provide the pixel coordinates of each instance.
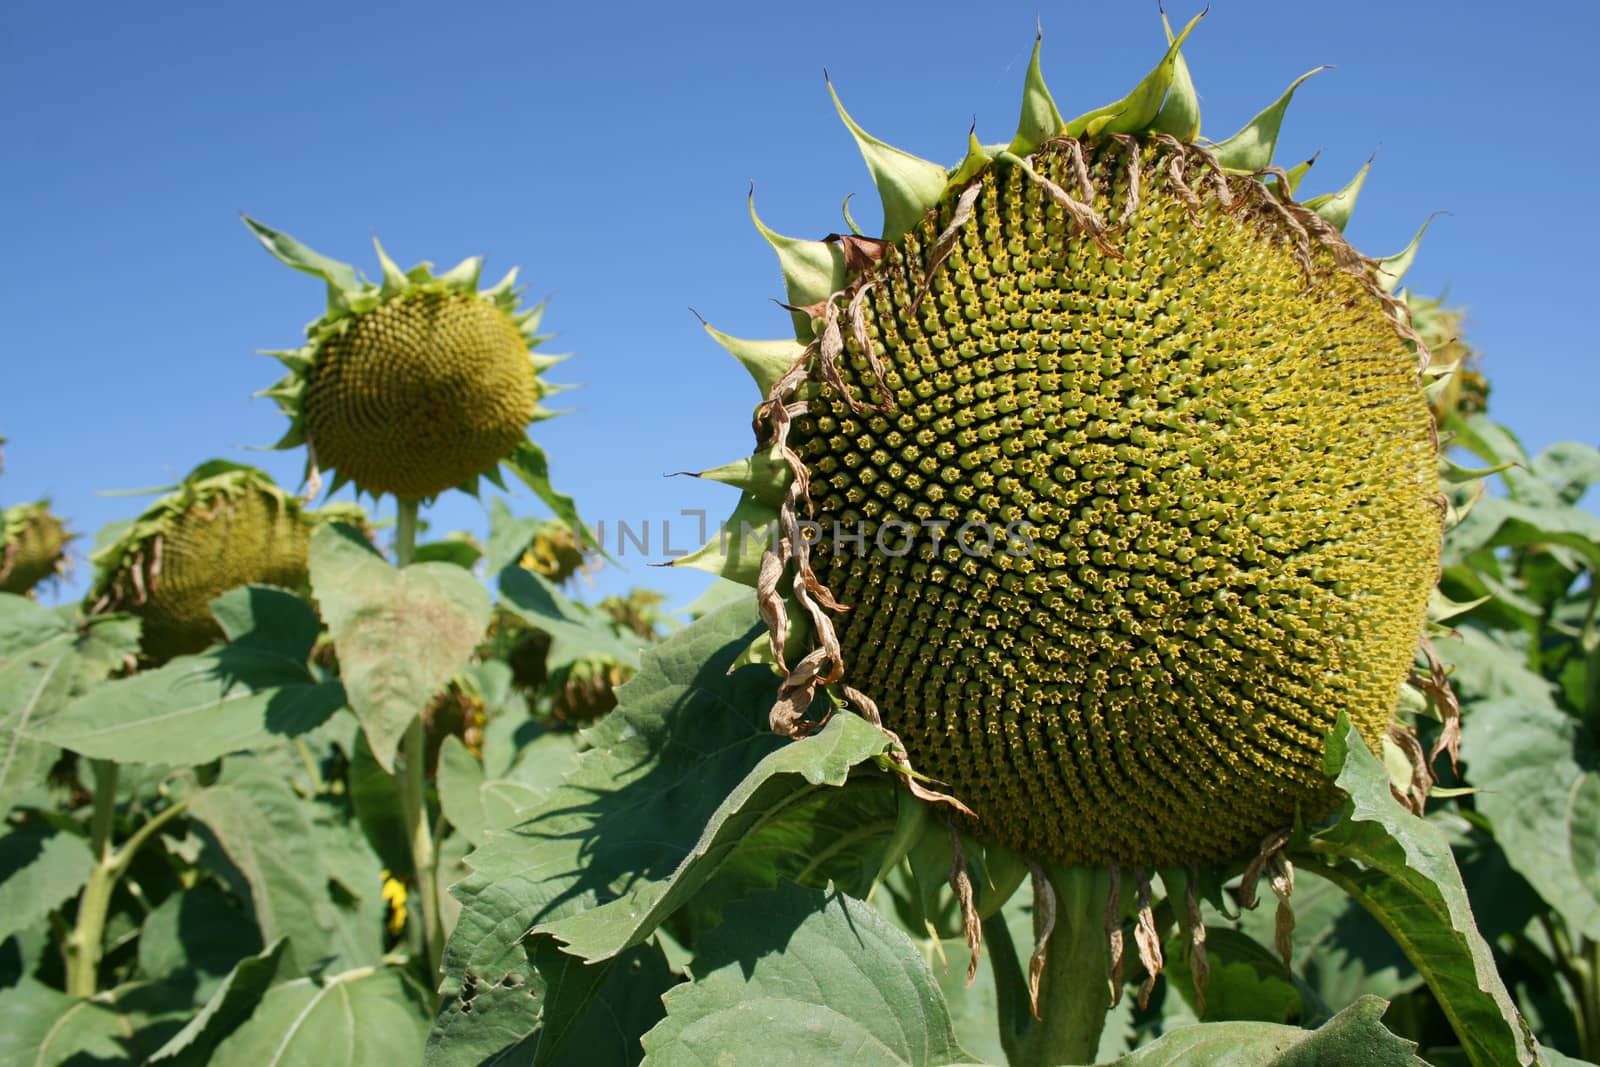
(416, 385)
(1104, 479)
(224, 526)
(33, 547)
(556, 552)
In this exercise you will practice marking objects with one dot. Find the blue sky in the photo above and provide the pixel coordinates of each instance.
(607, 149)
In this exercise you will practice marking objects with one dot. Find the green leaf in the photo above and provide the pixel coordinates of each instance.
(38, 872)
(576, 631)
(236, 996)
(802, 976)
(46, 1027)
(378, 808)
(1400, 868)
(400, 634)
(1247, 982)
(46, 659)
(1354, 1036)
(195, 938)
(1539, 770)
(254, 691)
(782, 779)
(264, 848)
(596, 1015)
(367, 1017)
(460, 780)
(683, 735)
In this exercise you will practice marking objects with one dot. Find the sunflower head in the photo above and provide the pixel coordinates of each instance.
(33, 547)
(224, 526)
(1103, 479)
(414, 385)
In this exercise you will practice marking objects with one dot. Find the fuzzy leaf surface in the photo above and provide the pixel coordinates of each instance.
(803, 976)
(1354, 1036)
(682, 737)
(236, 996)
(400, 634)
(254, 691)
(38, 871)
(47, 658)
(1401, 869)
(264, 845)
(782, 780)
(368, 1017)
(1539, 770)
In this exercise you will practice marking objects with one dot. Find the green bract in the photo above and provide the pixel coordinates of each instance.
(1104, 478)
(416, 385)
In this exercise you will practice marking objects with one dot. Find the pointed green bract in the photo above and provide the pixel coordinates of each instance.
(1336, 208)
(1393, 268)
(765, 360)
(1180, 114)
(812, 270)
(1040, 118)
(908, 184)
(763, 475)
(1251, 148)
(1135, 112)
(734, 551)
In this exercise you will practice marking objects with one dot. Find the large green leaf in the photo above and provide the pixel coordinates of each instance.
(684, 734)
(804, 976)
(1539, 770)
(367, 1017)
(780, 781)
(38, 872)
(265, 847)
(236, 996)
(195, 938)
(256, 690)
(400, 634)
(44, 1027)
(1354, 1036)
(1400, 868)
(46, 659)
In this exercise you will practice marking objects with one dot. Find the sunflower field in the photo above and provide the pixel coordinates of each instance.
(1133, 640)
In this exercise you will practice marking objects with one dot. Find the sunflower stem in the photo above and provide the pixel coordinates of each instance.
(414, 789)
(1075, 989)
(84, 944)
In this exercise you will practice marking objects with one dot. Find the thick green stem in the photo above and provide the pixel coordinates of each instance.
(414, 790)
(84, 944)
(1075, 989)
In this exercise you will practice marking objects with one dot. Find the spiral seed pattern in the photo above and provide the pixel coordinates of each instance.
(1226, 469)
(421, 394)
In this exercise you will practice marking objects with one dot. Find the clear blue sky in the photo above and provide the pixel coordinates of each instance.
(607, 149)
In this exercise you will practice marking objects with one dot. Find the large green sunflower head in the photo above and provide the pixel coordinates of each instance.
(33, 547)
(415, 385)
(1104, 479)
(225, 525)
